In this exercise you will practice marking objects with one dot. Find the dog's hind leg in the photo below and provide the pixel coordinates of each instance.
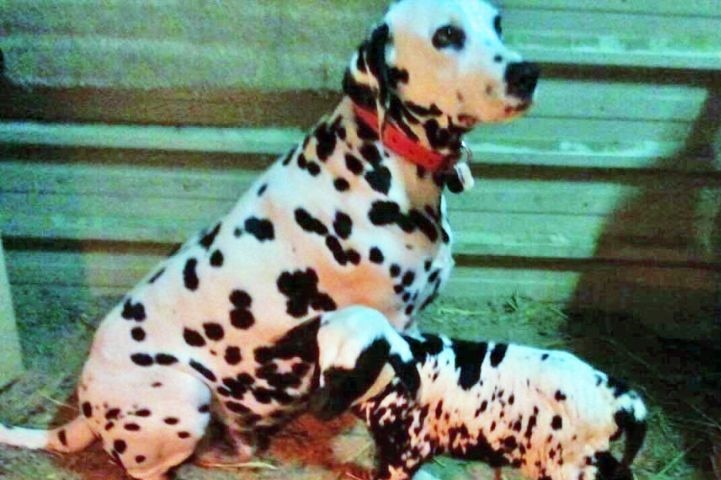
(149, 420)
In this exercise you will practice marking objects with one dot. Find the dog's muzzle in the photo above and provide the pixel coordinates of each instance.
(521, 80)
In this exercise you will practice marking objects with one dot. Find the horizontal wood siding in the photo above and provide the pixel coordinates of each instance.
(118, 139)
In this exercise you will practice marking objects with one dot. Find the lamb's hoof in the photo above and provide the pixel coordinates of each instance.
(225, 454)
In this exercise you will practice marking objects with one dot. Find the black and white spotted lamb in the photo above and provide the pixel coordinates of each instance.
(545, 412)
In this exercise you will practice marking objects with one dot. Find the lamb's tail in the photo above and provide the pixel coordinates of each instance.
(71, 437)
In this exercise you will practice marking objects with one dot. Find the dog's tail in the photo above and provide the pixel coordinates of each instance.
(71, 437)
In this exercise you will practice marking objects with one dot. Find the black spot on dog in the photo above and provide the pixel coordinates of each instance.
(353, 164)
(397, 76)
(236, 407)
(326, 141)
(183, 435)
(133, 311)
(241, 318)
(165, 359)
(301, 289)
(193, 338)
(353, 256)
(341, 184)
(203, 370)
(384, 213)
(370, 152)
(143, 412)
(559, 396)
(343, 225)
(262, 189)
(240, 299)
(379, 179)
(394, 270)
(309, 223)
(142, 359)
(216, 259)
(232, 356)
(432, 111)
(138, 334)
(208, 238)
(213, 331)
(313, 168)
(140, 459)
(424, 224)
(87, 409)
(119, 446)
(190, 276)
(260, 228)
(336, 249)
(376, 255)
(132, 427)
(112, 414)
(171, 420)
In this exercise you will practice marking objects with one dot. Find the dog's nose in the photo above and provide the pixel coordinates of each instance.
(521, 79)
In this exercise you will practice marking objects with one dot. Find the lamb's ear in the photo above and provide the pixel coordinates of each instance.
(342, 387)
(407, 373)
(376, 59)
(333, 398)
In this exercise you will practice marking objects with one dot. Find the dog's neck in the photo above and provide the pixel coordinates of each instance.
(425, 125)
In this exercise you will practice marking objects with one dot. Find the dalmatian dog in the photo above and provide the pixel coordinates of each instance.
(545, 412)
(354, 214)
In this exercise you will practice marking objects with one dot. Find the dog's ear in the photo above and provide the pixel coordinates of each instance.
(407, 373)
(376, 60)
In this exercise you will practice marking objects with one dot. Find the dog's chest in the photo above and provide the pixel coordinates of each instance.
(363, 247)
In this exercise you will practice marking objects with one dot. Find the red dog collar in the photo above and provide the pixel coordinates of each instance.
(399, 143)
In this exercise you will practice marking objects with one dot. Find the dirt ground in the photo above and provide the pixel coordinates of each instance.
(680, 381)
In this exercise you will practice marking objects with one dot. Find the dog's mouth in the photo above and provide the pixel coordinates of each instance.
(467, 121)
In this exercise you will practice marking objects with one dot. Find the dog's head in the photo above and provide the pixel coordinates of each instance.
(443, 58)
(359, 354)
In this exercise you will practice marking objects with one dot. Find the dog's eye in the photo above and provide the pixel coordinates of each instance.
(449, 36)
(497, 25)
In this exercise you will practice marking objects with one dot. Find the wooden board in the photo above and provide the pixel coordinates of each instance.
(676, 301)
(660, 220)
(267, 45)
(10, 355)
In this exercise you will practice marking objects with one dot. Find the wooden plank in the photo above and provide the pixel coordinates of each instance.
(591, 196)
(10, 354)
(705, 8)
(266, 45)
(602, 143)
(658, 297)
(558, 97)
(644, 233)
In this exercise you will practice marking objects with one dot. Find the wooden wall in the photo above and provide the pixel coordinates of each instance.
(128, 124)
